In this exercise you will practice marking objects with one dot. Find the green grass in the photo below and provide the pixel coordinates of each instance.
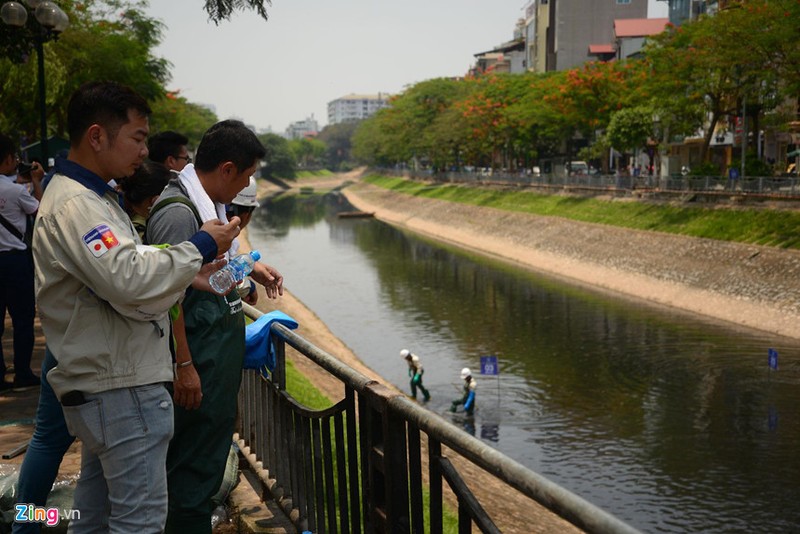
(306, 394)
(301, 175)
(770, 227)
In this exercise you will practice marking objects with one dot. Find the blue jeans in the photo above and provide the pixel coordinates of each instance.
(123, 484)
(47, 447)
(17, 296)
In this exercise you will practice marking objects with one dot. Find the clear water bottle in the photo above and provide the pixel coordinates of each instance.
(233, 273)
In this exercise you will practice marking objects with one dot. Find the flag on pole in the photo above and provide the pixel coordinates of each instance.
(489, 365)
(772, 358)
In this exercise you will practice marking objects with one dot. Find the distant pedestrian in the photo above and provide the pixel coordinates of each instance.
(169, 149)
(16, 265)
(415, 371)
(467, 400)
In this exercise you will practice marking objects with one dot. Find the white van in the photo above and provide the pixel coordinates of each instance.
(576, 168)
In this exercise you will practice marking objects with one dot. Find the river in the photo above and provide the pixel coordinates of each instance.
(670, 422)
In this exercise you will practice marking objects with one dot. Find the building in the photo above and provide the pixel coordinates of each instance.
(631, 34)
(354, 107)
(562, 34)
(682, 10)
(301, 129)
(507, 57)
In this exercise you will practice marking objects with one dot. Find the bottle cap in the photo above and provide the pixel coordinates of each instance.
(256, 255)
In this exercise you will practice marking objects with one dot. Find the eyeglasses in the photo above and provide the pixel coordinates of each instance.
(241, 210)
(187, 158)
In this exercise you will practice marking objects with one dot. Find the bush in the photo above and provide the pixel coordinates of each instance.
(705, 169)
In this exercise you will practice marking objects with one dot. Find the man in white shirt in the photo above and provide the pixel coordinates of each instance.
(16, 266)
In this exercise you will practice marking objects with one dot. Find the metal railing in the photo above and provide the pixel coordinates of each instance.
(358, 466)
(756, 186)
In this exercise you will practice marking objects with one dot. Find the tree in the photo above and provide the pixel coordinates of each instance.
(279, 160)
(338, 142)
(174, 112)
(308, 153)
(219, 10)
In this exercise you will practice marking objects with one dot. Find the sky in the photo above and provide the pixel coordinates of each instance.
(272, 73)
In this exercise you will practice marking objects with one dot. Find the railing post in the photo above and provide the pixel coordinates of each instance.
(385, 453)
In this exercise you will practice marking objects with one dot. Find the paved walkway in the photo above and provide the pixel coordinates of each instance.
(17, 413)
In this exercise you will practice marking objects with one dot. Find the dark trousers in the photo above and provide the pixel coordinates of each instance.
(17, 296)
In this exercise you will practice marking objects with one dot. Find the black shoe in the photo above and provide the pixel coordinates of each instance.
(5, 386)
(25, 383)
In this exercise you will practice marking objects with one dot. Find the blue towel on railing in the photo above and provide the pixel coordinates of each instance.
(259, 350)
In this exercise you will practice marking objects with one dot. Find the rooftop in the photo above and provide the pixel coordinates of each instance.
(639, 27)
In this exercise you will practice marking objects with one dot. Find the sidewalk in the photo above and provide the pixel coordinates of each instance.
(17, 413)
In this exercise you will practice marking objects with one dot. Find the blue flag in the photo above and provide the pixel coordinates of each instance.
(772, 358)
(489, 365)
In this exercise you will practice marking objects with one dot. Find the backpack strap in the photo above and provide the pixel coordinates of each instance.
(179, 199)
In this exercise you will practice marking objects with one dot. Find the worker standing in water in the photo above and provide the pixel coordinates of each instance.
(467, 400)
(415, 371)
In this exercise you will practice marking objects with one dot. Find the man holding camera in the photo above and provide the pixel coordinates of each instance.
(16, 264)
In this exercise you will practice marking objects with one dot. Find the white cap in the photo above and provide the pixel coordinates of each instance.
(247, 196)
(404, 353)
(465, 372)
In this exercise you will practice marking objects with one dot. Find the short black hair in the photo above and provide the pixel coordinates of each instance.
(7, 146)
(149, 180)
(105, 103)
(228, 140)
(165, 144)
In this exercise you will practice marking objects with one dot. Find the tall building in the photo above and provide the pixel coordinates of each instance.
(355, 107)
(304, 128)
(562, 34)
(682, 10)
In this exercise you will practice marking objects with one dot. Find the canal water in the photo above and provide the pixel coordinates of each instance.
(671, 422)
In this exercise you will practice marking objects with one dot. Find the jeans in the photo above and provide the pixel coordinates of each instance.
(47, 447)
(123, 484)
(16, 295)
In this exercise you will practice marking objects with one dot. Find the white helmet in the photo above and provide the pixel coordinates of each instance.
(247, 196)
(404, 353)
(465, 372)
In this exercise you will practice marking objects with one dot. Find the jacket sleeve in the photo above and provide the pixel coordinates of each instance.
(97, 245)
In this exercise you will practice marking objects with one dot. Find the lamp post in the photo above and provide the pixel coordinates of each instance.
(52, 21)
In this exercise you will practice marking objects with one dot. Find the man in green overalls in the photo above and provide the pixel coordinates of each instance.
(226, 158)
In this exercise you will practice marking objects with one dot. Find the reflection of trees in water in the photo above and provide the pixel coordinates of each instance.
(617, 391)
(622, 369)
(282, 212)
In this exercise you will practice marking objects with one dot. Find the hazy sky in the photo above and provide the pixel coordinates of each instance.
(272, 73)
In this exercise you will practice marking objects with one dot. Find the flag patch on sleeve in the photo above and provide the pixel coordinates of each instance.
(99, 240)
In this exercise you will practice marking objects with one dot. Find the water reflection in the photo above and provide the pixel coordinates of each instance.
(671, 423)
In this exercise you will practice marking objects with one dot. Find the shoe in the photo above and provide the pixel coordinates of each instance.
(5, 386)
(427, 398)
(26, 382)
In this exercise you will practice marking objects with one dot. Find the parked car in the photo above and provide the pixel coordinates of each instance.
(576, 168)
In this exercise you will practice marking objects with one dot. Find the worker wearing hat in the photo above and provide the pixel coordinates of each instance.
(415, 371)
(468, 398)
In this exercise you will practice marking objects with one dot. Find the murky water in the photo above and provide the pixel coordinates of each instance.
(668, 421)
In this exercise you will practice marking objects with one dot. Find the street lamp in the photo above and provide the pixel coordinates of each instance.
(52, 21)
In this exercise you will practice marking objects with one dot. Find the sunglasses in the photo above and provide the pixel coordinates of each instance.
(187, 158)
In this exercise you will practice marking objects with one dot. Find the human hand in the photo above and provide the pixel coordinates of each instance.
(188, 392)
(37, 172)
(223, 234)
(200, 280)
(268, 277)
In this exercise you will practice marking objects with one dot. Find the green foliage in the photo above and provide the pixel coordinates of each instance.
(309, 153)
(280, 160)
(338, 144)
(631, 127)
(219, 10)
(753, 166)
(174, 112)
(706, 168)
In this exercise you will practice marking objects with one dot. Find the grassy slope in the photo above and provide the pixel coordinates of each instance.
(777, 228)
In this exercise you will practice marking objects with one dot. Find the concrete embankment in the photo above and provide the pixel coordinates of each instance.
(748, 285)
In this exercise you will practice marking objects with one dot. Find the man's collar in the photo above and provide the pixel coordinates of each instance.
(83, 176)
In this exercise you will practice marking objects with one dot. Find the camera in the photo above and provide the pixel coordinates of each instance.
(24, 168)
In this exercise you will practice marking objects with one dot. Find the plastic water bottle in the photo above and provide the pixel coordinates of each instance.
(233, 273)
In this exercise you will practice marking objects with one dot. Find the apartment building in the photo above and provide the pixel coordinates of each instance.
(355, 107)
(304, 128)
(562, 34)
